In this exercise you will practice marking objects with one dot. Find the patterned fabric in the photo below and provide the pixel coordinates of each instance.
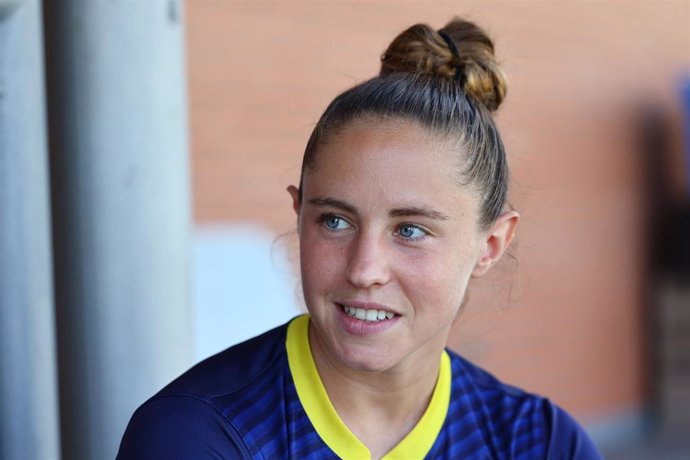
(242, 403)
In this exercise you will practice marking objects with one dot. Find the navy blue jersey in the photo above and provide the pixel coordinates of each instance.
(263, 399)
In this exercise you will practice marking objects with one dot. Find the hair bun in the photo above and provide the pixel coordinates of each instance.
(471, 61)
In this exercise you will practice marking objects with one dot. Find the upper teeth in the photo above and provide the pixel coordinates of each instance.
(368, 315)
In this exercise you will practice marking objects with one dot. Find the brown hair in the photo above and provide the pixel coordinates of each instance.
(449, 82)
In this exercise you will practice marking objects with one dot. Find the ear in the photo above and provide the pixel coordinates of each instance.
(294, 193)
(497, 241)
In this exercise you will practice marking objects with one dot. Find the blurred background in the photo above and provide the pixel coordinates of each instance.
(145, 148)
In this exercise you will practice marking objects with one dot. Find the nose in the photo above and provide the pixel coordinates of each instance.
(368, 262)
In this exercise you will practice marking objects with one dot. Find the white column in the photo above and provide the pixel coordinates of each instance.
(28, 378)
(121, 210)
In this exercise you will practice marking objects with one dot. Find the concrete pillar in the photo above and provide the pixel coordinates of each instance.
(119, 165)
(28, 377)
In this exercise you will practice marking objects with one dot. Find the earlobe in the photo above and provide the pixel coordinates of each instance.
(294, 193)
(497, 241)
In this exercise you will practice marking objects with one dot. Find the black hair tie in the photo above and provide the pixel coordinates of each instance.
(451, 44)
(459, 73)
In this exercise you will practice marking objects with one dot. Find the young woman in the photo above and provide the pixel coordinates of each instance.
(402, 201)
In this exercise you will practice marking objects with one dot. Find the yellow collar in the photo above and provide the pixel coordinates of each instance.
(328, 424)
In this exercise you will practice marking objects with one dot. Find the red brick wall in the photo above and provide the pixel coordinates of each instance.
(568, 321)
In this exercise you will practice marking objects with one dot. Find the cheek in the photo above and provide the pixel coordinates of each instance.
(439, 276)
(321, 262)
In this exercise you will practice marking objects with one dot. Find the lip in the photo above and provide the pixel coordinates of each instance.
(361, 328)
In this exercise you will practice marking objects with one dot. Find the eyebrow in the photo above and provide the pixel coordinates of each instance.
(416, 211)
(397, 212)
(327, 201)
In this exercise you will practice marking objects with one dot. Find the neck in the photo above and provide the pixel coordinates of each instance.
(367, 401)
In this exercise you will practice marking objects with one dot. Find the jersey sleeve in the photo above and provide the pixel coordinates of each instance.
(180, 427)
(568, 441)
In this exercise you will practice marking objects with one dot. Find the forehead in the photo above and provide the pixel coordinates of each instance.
(390, 161)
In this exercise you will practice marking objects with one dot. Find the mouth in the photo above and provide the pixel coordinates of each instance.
(372, 315)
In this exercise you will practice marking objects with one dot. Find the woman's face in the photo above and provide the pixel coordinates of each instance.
(388, 242)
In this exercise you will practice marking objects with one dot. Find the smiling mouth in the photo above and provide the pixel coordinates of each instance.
(370, 315)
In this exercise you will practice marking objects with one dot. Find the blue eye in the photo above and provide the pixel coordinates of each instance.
(335, 223)
(411, 232)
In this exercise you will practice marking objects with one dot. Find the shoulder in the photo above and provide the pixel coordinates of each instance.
(189, 418)
(526, 425)
(180, 427)
(568, 439)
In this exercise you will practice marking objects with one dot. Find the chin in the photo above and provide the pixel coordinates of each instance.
(366, 360)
